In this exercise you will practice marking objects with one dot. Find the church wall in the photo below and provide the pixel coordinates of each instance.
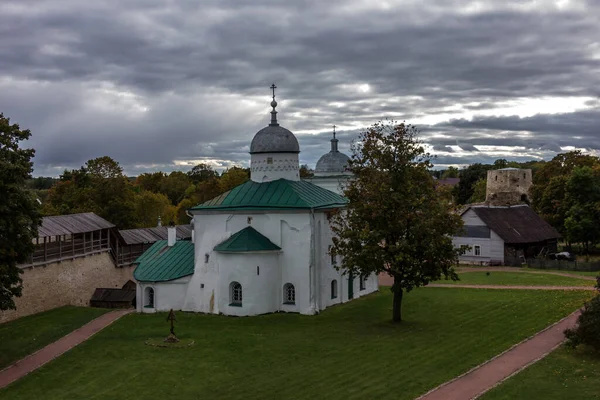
(266, 167)
(328, 273)
(69, 282)
(290, 231)
(167, 295)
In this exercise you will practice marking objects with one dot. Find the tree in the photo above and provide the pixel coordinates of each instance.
(394, 221)
(306, 172)
(451, 172)
(479, 191)
(233, 177)
(149, 206)
(468, 177)
(19, 217)
(104, 167)
(151, 181)
(174, 186)
(202, 172)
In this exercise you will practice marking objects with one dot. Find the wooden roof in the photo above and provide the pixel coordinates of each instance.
(73, 223)
(151, 235)
(516, 224)
(113, 295)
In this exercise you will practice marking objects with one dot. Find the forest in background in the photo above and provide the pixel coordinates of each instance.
(565, 192)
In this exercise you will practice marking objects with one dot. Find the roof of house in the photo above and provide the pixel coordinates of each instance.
(278, 194)
(151, 235)
(57, 225)
(448, 181)
(516, 224)
(248, 239)
(163, 263)
(113, 295)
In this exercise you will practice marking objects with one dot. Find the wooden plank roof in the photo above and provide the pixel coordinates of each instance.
(57, 225)
(516, 224)
(151, 235)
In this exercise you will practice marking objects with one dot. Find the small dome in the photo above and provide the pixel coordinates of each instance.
(332, 163)
(274, 139)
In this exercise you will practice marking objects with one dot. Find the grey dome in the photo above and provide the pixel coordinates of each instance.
(274, 139)
(332, 163)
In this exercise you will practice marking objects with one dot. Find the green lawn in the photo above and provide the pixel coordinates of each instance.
(351, 351)
(516, 278)
(564, 374)
(28, 334)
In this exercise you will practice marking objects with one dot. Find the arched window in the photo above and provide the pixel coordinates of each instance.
(149, 298)
(235, 294)
(289, 294)
(334, 289)
(363, 285)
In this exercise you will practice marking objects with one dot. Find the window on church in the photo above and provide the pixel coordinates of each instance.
(333, 257)
(149, 298)
(206, 257)
(334, 288)
(363, 282)
(289, 294)
(235, 294)
(269, 160)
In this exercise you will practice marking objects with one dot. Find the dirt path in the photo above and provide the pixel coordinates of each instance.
(506, 287)
(33, 361)
(496, 370)
(513, 269)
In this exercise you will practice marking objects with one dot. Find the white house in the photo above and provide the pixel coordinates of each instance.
(261, 247)
(331, 171)
(504, 235)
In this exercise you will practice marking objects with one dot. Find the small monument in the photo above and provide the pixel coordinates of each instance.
(171, 338)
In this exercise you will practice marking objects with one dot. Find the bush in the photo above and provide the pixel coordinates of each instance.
(587, 331)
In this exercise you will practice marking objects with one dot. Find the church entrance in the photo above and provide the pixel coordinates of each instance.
(350, 286)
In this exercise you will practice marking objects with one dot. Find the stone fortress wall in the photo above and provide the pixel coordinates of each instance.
(508, 186)
(69, 282)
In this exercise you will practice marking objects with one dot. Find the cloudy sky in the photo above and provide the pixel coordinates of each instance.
(164, 84)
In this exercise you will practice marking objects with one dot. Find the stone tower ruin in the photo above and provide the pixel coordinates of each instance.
(508, 186)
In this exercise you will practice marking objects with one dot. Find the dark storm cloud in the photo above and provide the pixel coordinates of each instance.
(150, 82)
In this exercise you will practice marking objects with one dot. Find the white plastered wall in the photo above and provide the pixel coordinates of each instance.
(491, 248)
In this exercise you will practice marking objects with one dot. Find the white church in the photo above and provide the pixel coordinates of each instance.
(261, 247)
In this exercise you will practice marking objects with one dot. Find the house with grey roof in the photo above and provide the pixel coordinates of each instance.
(499, 235)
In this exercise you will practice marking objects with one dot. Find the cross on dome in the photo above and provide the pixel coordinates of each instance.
(273, 104)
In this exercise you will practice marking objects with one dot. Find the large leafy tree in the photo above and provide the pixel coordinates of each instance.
(395, 222)
(463, 192)
(233, 177)
(202, 172)
(19, 217)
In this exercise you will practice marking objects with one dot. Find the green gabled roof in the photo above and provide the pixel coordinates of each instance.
(279, 194)
(248, 239)
(163, 263)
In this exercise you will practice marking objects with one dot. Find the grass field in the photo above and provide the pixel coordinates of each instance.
(516, 278)
(351, 351)
(28, 334)
(564, 374)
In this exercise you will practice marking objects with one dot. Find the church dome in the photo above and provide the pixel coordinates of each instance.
(334, 162)
(274, 139)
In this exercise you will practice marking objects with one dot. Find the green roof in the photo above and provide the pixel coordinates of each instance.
(163, 263)
(248, 239)
(279, 194)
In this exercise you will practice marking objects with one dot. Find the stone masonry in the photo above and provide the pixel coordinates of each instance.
(70, 282)
(508, 186)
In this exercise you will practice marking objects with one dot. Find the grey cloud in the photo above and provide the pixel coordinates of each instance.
(175, 55)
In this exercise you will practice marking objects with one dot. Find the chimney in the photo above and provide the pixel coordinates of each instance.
(193, 229)
(171, 234)
(159, 221)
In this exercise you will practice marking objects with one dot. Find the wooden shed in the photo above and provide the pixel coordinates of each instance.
(133, 243)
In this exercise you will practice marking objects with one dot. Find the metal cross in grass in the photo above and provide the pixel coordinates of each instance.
(171, 317)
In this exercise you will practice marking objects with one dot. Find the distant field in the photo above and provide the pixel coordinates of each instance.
(351, 351)
(516, 278)
(28, 334)
(564, 374)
